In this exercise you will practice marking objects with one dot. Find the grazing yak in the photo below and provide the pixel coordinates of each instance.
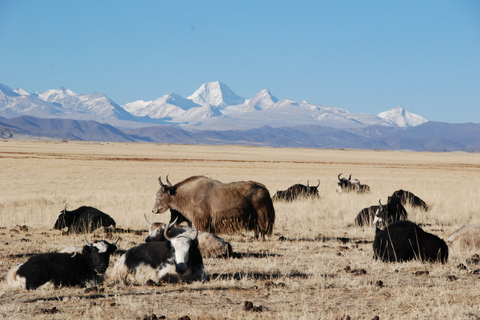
(64, 269)
(351, 185)
(404, 240)
(82, 220)
(178, 258)
(217, 207)
(297, 191)
(406, 197)
(467, 236)
(210, 245)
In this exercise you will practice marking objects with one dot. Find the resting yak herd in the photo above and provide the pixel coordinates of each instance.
(207, 207)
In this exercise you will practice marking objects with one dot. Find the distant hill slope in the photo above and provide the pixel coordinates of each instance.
(429, 136)
(62, 129)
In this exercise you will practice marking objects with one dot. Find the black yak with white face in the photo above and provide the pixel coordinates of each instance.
(178, 258)
(64, 269)
(391, 212)
(404, 240)
(82, 220)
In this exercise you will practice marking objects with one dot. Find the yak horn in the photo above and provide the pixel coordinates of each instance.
(168, 181)
(196, 231)
(339, 176)
(318, 183)
(118, 238)
(161, 183)
(65, 209)
(86, 241)
(148, 222)
(165, 232)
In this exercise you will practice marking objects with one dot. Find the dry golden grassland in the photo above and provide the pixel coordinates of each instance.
(317, 265)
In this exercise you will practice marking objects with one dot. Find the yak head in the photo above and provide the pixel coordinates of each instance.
(155, 231)
(164, 195)
(98, 254)
(342, 183)
(184, 245)
(391, 212)
(65, 219)
(313, 191)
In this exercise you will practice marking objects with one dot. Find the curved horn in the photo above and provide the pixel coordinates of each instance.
(168, 181)
(118, 238)
(196, 231)
(339, 176)
(161, 183)
(350, 177)
(318, 183)
(165, 232)
(86, 241)
(148, 222)
(65, 209)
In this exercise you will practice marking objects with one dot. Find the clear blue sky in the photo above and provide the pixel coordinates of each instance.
(363, 56)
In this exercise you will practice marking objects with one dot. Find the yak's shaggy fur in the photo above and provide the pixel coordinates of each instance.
(217, 207)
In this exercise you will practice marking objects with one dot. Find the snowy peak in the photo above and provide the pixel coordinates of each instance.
(261, 101)
(402, 118)
(215, 94)
(21, 92)
(56, 95)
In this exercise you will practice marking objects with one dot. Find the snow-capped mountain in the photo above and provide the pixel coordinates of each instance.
(402, 118)
(94, 106)
(61, 103)
(14, 103)
(215, 94)
(214, 106)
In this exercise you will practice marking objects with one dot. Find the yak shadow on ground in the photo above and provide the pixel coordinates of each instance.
(322, 238)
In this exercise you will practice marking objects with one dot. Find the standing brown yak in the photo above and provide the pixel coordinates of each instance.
(217, 207)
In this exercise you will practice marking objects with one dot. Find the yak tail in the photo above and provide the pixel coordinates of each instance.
(14, 280)
(120, 270)
(266, 216)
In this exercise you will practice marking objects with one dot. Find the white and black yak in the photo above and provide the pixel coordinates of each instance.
(64, 269)
(210, 245)
(178, 258)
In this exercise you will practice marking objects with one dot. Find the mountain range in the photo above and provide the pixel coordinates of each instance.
(214, 114)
